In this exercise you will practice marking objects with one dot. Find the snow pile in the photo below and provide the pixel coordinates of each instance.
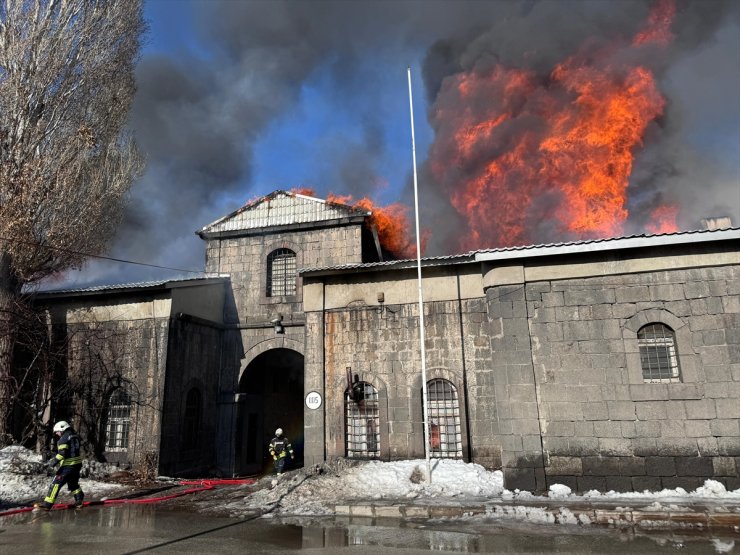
(23, 477)
(559, 491)
(710, 490)
(374, 480)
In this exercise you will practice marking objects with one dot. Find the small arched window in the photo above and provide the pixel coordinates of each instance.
(658, 358)
(362, 421)
(119, 419)
(445, 434)
(191, 423)
(281, 273)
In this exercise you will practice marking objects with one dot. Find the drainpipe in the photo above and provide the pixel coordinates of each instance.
(464, 373)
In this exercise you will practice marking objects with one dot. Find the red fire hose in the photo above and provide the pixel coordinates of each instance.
(205, 484)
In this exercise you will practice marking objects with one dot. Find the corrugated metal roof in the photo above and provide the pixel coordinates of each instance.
(281, 208)
(527, 251)
(140, 285)
(612, 243)
(397, 264)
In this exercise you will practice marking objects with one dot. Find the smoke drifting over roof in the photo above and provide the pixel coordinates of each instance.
(199, 116)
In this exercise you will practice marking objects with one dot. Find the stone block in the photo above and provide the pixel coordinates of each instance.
(653, 410)
(561, 428)
(675, 410)
(632, 294)
(565, 411)
(725, 427)
(583, 447)
(668, 292)
(608, 428)
(646, 483)
(589, 297)
(675, 447)
(647, 429)
(629, 429)
(594, 411)
(621, 410)
(583, 429)
(729, 446)
(614, 447)
(727, 408)
(681, 391)
(697, 428)
(619, 483)
(672, 429)
(724, 466)
(660, 466)
(597, 466)
(520, 478)
(688, 483)
(643, 447)
(649, 392)
(700, 409)
(631, 466)
(388, 511)
(588, 483)
(565, 466)
(694, 466)
(696, 289)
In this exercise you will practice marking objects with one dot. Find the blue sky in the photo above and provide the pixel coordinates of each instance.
(239, 98)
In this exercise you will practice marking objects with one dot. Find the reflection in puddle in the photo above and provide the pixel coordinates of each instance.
(490, 537)
(147, 526)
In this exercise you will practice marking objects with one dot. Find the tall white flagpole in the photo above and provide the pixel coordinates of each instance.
(422, 337)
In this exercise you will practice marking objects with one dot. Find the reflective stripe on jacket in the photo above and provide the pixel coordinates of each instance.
(69, 452)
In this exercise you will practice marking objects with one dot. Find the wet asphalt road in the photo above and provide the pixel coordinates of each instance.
(131, 529)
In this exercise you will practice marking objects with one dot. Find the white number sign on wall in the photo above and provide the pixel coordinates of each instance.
(313, 400)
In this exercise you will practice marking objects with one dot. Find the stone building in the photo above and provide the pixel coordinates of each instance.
(607, 364)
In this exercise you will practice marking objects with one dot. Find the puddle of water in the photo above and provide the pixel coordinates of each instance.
(148, 527)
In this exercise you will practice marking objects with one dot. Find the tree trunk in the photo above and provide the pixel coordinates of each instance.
(9, 296)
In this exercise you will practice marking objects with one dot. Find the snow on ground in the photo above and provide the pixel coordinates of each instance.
(23, 478)
(403, 481)
(305, 492)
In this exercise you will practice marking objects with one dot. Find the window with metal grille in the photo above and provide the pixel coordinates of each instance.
(119, 419)
(363, 423)
(445, 434)
(281, 273)
(658, 358)
(191, 424)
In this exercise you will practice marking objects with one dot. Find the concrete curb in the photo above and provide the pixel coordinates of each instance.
(685, 518)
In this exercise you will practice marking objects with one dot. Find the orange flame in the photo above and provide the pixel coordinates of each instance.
(391, 222)
(663, 219)
(305, 191)
(525, 156)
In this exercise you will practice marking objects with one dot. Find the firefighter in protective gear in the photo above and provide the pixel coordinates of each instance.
(280, 448)
(67, 463)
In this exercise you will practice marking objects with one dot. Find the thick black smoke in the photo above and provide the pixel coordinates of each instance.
(198, 117)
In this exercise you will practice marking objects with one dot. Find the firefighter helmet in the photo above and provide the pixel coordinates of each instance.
(279, 432)
(61, 426)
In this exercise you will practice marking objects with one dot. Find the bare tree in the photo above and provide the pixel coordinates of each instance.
(66, 161)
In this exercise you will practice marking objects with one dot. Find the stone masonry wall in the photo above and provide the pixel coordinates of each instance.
(135, 350)
(194, 361)
(602, 426)
(381, 345)
(245, 259)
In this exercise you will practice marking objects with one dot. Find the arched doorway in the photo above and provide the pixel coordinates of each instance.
(271, 396)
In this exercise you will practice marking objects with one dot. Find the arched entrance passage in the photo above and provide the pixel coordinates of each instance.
(271, 396)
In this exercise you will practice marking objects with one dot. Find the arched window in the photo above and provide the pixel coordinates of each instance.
(363, 421)
(119, 419)
(658, 358)
(445, 435)
(281, 273)
(191, 424)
